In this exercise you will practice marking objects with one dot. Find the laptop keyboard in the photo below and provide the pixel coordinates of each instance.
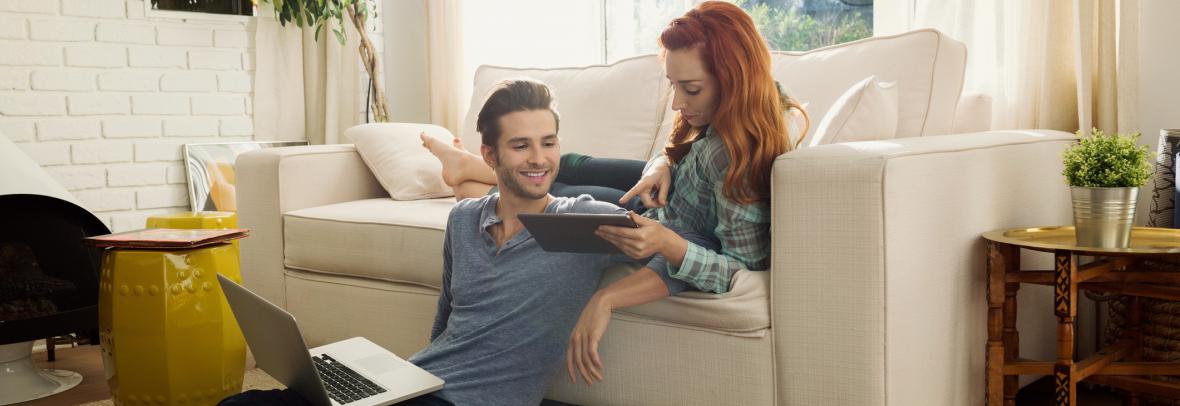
(343, 384)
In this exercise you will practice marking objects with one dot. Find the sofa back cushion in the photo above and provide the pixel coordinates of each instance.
(606, 110)
(927, 66)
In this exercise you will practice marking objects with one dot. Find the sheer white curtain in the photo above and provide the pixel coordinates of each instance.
(447, 88)
(1047, 64)
(305, 89)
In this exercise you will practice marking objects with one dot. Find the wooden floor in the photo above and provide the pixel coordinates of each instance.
(85, 360)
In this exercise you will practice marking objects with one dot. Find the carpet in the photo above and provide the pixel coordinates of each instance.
(254, 379)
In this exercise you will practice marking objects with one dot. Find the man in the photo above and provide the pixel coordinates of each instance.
(506, 307)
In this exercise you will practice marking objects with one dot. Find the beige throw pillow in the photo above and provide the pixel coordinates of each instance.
(867, 111)
(395, 154)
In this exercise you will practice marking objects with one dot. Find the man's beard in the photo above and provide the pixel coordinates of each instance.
(509, 180)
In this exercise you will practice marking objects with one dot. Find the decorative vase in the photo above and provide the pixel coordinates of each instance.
(1103, 215)
(1163, 192)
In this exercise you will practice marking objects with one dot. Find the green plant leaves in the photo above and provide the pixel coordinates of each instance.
(792, 30)
(317, 13)
(1103, 160)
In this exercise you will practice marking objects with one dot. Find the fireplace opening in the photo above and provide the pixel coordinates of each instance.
(48, 278)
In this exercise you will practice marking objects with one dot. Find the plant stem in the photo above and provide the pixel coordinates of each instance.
(372, 65)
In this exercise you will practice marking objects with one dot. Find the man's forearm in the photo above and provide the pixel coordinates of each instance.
(640, 287)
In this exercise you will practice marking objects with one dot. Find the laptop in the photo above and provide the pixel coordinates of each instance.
(351, 372)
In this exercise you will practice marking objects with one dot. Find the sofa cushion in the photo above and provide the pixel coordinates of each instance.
(927, 65)
(609, 111)
(744, 310)
(865, 112)
(393, 151)
(399, 241)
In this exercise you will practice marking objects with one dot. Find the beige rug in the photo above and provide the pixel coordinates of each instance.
(254, 379)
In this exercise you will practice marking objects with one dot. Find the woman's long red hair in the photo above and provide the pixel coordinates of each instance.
(749, 117)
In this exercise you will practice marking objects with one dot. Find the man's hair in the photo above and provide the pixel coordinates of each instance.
(511, 96)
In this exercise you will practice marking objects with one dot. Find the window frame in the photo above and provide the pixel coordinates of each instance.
(150, 12)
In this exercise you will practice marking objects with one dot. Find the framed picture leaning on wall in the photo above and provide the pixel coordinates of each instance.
(210, 169)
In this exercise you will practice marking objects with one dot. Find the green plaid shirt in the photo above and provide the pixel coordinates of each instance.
(698, 204)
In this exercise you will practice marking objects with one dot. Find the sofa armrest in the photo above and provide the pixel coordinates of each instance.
(278, 180)
(973, 113)
(877, 284)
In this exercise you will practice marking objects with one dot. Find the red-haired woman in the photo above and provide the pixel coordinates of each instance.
(707, 196)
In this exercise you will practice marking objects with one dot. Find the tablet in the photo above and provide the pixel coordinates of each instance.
(572, 232)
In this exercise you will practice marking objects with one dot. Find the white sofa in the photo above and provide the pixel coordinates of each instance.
(875, 295)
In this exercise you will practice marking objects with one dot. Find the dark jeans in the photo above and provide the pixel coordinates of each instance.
(605, 179)
(287, 397)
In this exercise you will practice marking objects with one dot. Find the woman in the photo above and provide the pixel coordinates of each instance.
(717, 163)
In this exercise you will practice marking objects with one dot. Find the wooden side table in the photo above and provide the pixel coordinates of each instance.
(1113, 270)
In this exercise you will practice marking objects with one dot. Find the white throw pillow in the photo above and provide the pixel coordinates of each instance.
(395, 154)
(865, 112)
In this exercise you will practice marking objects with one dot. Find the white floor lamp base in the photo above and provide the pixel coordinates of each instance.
(20, 381)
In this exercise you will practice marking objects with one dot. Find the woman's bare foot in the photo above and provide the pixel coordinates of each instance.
(458, 165)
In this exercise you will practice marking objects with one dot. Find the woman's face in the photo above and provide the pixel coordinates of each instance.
(695, 92)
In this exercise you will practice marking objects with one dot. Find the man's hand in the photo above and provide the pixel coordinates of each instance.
(649, 239)
(655, 181)
(582, 354)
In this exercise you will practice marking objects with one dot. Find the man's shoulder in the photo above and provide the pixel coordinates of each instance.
(585, 204)
(470, 208)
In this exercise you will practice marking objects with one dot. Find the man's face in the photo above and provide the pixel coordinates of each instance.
(526, 155)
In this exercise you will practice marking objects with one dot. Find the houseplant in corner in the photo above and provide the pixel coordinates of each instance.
(317, 13)
(1104, 173)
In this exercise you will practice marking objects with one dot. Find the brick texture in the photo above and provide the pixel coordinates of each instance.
(105, 98)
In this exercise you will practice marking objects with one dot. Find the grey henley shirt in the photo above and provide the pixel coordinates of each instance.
(504, 319)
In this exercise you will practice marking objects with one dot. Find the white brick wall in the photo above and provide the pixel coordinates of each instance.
(12, 28)
(104, 98)
(96, 56)
(14, 79)
(63, 79)
(30, 104)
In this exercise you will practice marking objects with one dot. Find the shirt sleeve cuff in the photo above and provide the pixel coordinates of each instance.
(687, 266)
(660, 265)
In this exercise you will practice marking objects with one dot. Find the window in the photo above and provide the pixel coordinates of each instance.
(633, 26)
(542, 33)
(189, 8)
(801, 25)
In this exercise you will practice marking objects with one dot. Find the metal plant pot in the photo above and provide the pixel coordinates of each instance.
(1103, 215)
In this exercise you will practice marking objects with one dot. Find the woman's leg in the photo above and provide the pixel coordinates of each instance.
(621, 174)
(599, 193)
(471, 190)
(604, 179)
(458, 165)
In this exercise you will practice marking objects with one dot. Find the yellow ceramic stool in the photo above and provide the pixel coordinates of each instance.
(168, 335)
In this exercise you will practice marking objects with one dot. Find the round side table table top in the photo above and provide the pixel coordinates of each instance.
(1144, 240)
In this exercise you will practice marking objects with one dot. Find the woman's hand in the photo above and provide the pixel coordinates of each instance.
(582, 354)
(652, 188)
(648, 239)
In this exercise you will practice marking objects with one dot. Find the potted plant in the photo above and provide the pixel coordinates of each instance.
(1104, 173)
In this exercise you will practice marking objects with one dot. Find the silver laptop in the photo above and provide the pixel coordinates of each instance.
(351, 372)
